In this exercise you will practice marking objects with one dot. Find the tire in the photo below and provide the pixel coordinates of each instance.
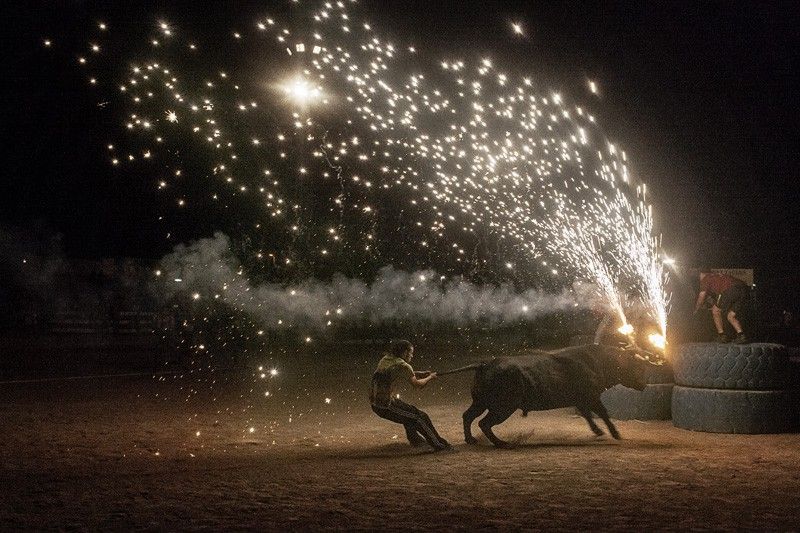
(653, 403)
(712, 365)
(734, 411)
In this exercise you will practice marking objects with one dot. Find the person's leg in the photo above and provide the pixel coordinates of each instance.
(734, 321)
(409, 423)
(412, 435)
(729, 302)
(741, 338)
(716, 314)
(423, 426)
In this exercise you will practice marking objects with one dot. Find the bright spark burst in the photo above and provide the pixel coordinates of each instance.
(657, 340)
(301, 91)
(625, 329)
(475, 146)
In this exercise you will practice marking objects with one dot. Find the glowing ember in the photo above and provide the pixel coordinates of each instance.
(301, 91)
(625, 329)
(467, 151)
(657, 340)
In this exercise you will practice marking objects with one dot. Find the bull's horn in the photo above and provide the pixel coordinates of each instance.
(649, 356)
(654, 358)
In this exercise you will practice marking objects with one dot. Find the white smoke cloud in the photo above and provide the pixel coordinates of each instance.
(208, 269)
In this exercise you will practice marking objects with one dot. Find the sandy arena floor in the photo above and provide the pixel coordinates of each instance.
(125, 453)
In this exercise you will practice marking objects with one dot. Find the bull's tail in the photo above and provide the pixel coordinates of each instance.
(476, 366)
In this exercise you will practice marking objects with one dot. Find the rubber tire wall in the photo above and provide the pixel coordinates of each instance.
(757, 366)
(653, 403)
(734, 411)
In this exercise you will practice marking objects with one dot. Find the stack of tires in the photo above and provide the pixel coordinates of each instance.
(730, 388)
(653, 403)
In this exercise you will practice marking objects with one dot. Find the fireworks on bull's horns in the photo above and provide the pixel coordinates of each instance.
(658, 340)
(625, 329)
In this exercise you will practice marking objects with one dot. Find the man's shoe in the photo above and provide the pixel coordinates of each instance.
(740, 338)
(444, 445)
(722, 338)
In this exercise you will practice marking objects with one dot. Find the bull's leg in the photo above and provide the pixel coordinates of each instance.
(587, 414)
(475, 410)
(492, 419)
(598, 407)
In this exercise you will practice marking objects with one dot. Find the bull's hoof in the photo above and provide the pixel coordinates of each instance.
(616, 435)
(503, 445)
(598, 432)
(469, 439)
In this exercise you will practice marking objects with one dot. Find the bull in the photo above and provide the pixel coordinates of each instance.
(541, 380)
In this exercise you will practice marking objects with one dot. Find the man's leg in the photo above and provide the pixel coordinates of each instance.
(409, 423)
(412, 435)
(734, 321)
(730, 301)
(423, 425)
(716, 314)
(740, 338)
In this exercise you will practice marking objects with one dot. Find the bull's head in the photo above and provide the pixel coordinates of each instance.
(633, 365)
(656, 358)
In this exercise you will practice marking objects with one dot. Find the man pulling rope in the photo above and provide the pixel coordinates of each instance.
(393, 366)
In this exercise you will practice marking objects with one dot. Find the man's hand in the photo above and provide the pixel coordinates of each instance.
(420, 374)
(421, 382)
(431, 376)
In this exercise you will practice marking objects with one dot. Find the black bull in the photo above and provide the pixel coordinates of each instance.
(540, 380)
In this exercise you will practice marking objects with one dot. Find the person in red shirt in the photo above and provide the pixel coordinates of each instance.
(728, 295)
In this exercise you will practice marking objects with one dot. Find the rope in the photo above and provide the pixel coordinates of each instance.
(462, 369)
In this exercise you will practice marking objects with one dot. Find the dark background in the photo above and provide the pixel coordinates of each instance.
(702, 95)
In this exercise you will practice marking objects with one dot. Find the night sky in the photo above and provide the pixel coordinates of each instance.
(702, 95)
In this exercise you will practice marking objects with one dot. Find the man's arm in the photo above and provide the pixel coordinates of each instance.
(700, 299)
(419, 381)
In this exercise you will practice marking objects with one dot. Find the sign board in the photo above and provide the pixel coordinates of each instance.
(744, 274)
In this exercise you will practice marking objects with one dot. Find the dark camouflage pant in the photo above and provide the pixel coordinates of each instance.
(418, 425)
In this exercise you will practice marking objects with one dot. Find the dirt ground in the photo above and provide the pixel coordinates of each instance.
(133, 453)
